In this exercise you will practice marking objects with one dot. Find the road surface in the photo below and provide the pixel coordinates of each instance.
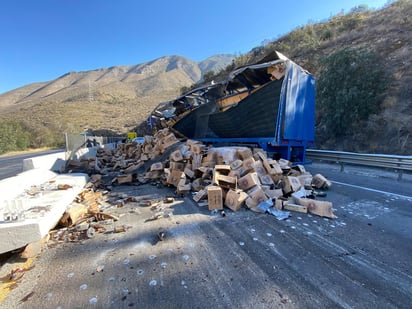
(362, 259)
(11, 165)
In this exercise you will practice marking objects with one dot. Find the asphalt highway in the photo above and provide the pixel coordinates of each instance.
(11, 165)
(362, 259)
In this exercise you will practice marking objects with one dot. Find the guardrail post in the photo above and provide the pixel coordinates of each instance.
(342, 166)
(400, 172)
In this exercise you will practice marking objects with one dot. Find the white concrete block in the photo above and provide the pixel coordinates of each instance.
(13, 186)
(43, 210)
(54, 162)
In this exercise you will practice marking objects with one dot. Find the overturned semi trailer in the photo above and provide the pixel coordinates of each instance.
(269, 104)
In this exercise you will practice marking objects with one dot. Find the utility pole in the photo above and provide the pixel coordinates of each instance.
(91, 98)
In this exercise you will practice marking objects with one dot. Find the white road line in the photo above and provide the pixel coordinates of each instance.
(373, 190)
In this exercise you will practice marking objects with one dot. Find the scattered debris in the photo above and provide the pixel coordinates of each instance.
(217, 177)
(156, 216)
(169, 199)
(280, 215)
(33, 249)
(234, 177)
(120, 229)
(161, 234)
(26, 298)
(15, 275)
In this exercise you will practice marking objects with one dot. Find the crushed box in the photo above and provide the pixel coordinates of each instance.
(176, 156)
(320, 182)
(174, 177)
(290, 184)
(257, 194)
(235, 199)
(236, 164)
(248, 164)
(248, 181)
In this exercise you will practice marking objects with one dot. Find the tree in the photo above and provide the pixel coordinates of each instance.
(348, 89)
(13, 137)
(208, 76)
(184, 89)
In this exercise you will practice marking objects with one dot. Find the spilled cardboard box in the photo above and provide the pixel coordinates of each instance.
(233, 177)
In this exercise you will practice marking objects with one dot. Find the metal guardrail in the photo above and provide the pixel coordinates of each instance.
(399, 164)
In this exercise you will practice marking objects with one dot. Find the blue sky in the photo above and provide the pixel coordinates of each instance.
(44, 39)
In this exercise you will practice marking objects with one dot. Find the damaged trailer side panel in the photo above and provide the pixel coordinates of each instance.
(271, 105)
(299, 96)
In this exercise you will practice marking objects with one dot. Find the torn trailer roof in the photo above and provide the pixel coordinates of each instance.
(271, 104)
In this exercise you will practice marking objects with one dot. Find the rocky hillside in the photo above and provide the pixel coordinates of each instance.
(116, 98)
(387, 34)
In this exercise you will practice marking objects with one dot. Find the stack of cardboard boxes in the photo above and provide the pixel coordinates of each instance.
(128, 157)
(232, 177)
(236, 177)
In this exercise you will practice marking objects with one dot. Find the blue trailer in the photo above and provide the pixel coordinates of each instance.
(270, 105)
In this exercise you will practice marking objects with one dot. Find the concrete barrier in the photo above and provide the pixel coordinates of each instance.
(85, 153)
(54, 162)
(43, 205)
(40, 195)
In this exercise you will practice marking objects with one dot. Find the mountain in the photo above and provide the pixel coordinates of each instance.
(116, 98)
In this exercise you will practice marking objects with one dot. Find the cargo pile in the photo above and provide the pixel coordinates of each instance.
(233, 177)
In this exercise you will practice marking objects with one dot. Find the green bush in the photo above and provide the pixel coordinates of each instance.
(348, 90)
(348, 22)
(13, 137)
(45, 136)
(208, 76)
(327, 34)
